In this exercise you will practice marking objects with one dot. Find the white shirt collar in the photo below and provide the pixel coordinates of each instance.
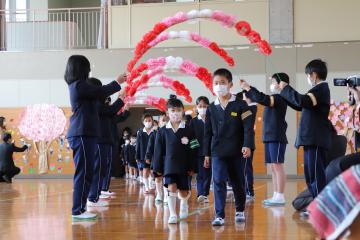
(181, 125)
(232, 98)
(144, 130)
(199, 117)
(252, 104)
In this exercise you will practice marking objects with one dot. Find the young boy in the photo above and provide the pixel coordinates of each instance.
(203, 178)
(163, 119)
(175, 158)
(129, 156)
(141, 146)
(274, 132)
(314, 132)
(7, 167)
(227, 140)
(249, 172)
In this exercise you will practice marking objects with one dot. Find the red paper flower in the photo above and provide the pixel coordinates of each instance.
(243, 28)
(264, 47)
(254, 37)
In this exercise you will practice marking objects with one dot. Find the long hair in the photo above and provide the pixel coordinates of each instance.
(77, 68)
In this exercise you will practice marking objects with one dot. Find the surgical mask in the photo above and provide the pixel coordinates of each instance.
(175, 116)
(201, 111)
(310, 82)
(221, 90)
(273, 89)
(148, 125)
(162, 124)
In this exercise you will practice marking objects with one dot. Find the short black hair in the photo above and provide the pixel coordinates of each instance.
(204, 99)
(156, 122)
(224, 73)
(174, 102)
(240, 95)
(94, 82)
(77, 68)
(317, 66)
(127, 129)
(281, 77)
(133, 136)
(6, 136)
(146, 115)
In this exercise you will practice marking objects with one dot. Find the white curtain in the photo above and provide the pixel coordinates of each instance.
(2, 25)
(103, 27)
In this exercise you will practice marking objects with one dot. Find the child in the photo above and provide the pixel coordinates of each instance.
(7, 167)
(105, 141)
(249, 172)
(129, 156)
(203, 178)
(274, 132)
(84, 128)
(174, 158)
(227, 140)
(141, 146)
(163, 119)
(314, 132)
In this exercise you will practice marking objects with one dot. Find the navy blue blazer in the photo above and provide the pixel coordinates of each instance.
(106, 114)
(274, 123)
(129, 154)
(227, 131)
(149, 155)
(198, 126)
(114, 127)
(142, 140)
(172, 155)
(83, 98)
(253, 109)
(314, 127)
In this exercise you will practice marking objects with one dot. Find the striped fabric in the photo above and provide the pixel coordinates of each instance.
(336, 207)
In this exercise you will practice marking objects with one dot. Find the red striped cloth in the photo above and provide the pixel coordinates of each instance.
(337, 206)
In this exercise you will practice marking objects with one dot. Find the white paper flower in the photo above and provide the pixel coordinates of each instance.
(185, 140)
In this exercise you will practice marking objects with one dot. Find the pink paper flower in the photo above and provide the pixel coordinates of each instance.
(185, 140)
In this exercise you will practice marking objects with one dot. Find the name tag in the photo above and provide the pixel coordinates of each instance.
(234, 114)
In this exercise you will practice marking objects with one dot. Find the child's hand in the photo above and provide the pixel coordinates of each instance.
(246, 152)
(207, 162)
(122, 93)
(147, 161)
(122, 78)
(126, 107)
(282, 85)
(137, 161)
(244, 85)
(190, 173)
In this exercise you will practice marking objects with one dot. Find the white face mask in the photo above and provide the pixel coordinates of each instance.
(175, 116)
(273, 89)
(147, 125)
(161, 124)
(127, 142)
(310, 82)
(201, 111)
(221, 90)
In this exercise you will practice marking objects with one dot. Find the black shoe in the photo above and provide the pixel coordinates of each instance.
(7, 179)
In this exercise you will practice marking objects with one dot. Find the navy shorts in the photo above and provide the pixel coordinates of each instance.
(156, 175)
(275, 152)
(132, 164)
(143, 164)
(182, 181)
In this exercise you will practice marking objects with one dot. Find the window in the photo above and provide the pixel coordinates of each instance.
(16, 10)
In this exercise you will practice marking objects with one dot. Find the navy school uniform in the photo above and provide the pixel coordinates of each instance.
(274, 124)
(82, 135)
(249, 172)
(104, 148)
(149, 155)
(129, 155)
(227, 130)
(175, 154)
(314, 131)
(142, 140)
(203, 178)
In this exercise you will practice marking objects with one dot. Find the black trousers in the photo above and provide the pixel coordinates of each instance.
(10, 173)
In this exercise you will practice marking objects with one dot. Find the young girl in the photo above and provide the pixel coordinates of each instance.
(129, 156)
(274, 133)
(84, 127)
(163, 119)
(203, 178)
(175, 158)
(141, 146)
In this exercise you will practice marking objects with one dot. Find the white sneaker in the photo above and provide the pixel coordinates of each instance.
(102, 196)
(97, 204)
(218, 222)
(172, 220)
(184, 211)
(239, 217)
(275, 202)
(108, 193)
(84, 216)
(200, 199)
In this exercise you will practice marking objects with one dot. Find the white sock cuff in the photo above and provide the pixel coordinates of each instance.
(171, 194)
(185, 198)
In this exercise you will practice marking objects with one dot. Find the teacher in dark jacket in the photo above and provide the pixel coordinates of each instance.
(7, 167)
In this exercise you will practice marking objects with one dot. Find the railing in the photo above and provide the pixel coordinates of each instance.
(53, 29)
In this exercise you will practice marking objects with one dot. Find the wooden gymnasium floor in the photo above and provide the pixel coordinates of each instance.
(40, 209)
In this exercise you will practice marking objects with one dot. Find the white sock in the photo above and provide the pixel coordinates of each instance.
(184, 201)
(166, 195)
(159, 189)
(146, 183)
(280, 196)
(274, 195)
(149, 182)
(172, 203)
